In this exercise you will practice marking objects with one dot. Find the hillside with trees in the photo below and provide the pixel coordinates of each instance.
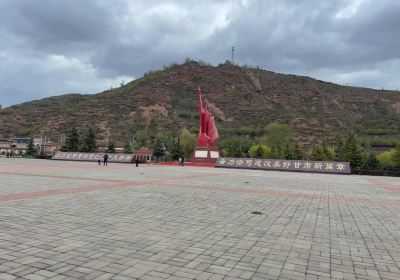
(160, 106)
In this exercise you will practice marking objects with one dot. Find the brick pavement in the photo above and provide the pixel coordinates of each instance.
(70, 220)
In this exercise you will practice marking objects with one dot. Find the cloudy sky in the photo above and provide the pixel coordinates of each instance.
(53, 47)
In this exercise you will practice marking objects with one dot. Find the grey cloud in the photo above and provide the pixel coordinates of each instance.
(376, 28)
(310, 36)
(98, 43)
(57, 25)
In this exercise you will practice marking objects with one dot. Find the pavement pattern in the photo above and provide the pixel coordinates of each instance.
(77, 220)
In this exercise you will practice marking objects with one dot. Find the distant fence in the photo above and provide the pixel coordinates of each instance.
(378, 172)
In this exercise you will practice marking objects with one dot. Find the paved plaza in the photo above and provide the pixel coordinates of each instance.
(77, 220)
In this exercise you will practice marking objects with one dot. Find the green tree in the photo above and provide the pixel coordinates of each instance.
(323, 152)
(371, 162)
(111, 147)
(297, 153)
(158, 149)
(317, 153)
(340, 152)
(127, 147)
(327, 152)
(31, 150)
(279, 138)
(236, 150)
(153, 124)
(141, 138)
(244, 144)
(259, 151)
(188, 142)
(396, 156)
(71, 141)
(277, 134)
(386, 159)
(176, 149)
(225, 152)
(235, 147)
(287, 152)
(353, 151)
(275, 153)
(89, 144)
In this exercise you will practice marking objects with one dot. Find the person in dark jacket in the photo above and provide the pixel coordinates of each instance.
(105, 158)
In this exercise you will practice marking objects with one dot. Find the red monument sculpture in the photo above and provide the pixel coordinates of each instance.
(206, 150)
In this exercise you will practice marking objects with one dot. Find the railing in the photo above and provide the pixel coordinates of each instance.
(377, 172)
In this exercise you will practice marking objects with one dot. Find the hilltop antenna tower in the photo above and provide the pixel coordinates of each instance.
(233, 55)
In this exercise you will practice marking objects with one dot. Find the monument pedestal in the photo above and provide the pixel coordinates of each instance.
(205, 154)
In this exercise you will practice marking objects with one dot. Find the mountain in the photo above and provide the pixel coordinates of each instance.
(243, 100)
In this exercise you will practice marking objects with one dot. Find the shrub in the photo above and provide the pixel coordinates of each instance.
(386, 159)
(260, 151)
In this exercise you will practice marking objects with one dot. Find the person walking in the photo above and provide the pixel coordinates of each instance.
(105, 159)
(137, 162)
(98, 160)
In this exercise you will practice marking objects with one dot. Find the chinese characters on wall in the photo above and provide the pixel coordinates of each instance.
(286, 165)
(92, 157)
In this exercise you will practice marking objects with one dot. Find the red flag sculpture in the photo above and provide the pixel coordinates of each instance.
(208, 133)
